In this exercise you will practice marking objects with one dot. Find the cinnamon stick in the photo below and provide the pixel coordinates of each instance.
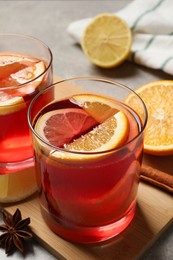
(156, 177)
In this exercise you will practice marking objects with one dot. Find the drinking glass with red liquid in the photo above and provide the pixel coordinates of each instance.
(25, 69)
(88, 146)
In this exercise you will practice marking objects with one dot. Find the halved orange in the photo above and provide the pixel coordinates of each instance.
(157, 96)
(106, 41)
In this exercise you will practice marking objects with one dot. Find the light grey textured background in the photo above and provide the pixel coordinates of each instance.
(48, 21)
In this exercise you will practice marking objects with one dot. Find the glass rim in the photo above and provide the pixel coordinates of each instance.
(20, 85)
(78, 152)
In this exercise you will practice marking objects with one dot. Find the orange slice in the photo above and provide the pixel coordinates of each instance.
(76, 130)
(17, 185)
(101, 108)
(12, 100)
(108, 135)
(61, 126)
(28, 74)
(16, 70)
(159, 130)
(106, 41)
(10, 64)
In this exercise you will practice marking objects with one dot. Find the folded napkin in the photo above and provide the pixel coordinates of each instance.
(151, 22)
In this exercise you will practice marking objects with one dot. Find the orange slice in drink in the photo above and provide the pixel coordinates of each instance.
(66, 128)
(108, 135)
(101, 108)
(98, 107)
(159, 102)
(61, 126)
(10, 64)
(16, 70)
(28, 74)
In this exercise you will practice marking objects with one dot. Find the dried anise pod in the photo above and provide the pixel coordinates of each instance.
(14, 231)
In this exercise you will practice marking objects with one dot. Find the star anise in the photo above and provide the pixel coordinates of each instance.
(14, 229)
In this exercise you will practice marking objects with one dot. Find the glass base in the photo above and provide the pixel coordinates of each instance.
(88, 234)
(11, 167)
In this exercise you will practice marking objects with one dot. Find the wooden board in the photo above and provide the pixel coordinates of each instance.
(154, 210)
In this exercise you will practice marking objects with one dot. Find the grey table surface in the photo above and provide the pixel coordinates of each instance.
(48, 21)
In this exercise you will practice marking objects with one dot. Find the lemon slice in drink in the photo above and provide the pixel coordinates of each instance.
(9, 105)
(17, 186)
(106, 41)
(157, 95)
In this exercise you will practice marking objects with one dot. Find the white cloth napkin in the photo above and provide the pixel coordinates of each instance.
(151, 22)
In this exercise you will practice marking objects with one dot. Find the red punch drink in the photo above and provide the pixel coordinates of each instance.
(22, 76)
(88, 150)
(15, 141)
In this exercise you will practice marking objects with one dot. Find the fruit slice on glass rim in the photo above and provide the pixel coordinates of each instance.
(157, 96)
(58, 128)
(106, 40)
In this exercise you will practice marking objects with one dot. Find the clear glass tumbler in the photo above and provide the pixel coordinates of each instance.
(88, 146)
(25, 69)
